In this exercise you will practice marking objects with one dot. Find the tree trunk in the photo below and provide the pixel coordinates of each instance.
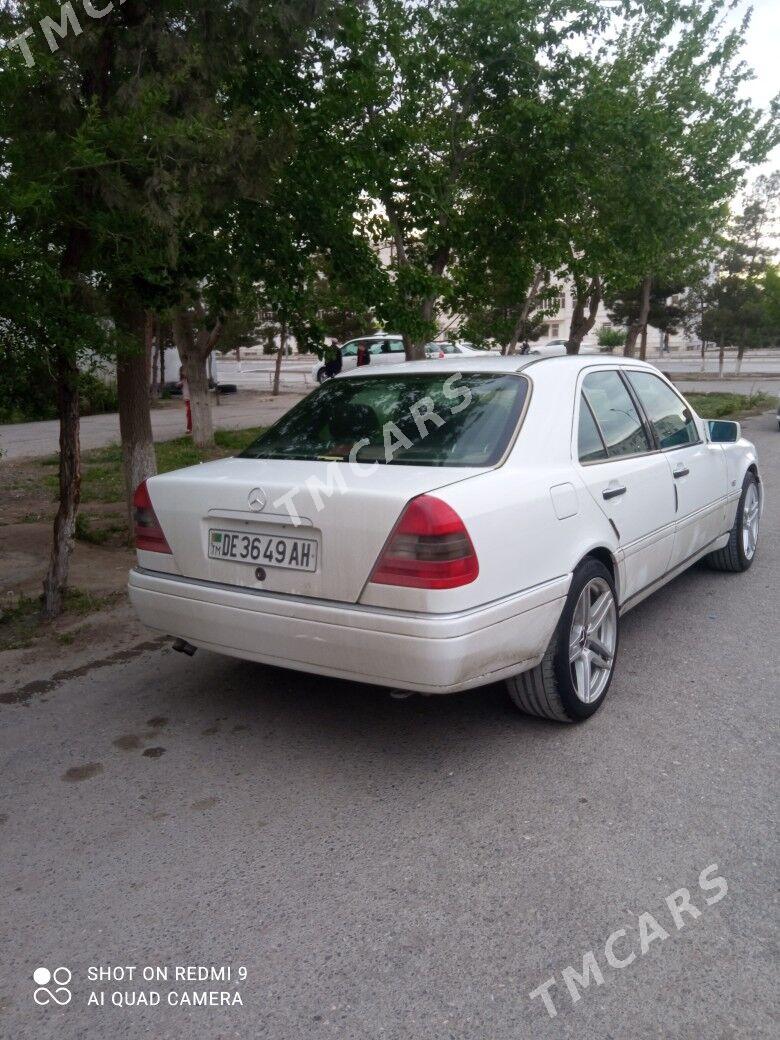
(740, 356)
(522, 321)
(636, 326)
(193, 351)
(135, 421)
(415, 351)
(279, 356)
(69, 483)
(156, 351)
(721, 353)
(582, 323)
(703, 356)
(200, 406)
(643, 343)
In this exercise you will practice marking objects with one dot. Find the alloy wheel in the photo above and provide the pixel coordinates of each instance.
(592, 640)
(750, 518)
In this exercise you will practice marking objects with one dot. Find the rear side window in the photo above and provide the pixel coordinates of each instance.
(447, 419)
(618, 422)
(591, 446)
(669, 416)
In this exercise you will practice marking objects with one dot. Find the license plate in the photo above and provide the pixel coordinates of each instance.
(297, 554)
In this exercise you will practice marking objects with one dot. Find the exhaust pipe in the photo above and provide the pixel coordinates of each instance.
(183, 647)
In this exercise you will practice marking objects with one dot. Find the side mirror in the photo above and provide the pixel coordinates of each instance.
(723, 431)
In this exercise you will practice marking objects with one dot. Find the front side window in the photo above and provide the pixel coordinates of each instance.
(349, 349)
(669, 416)
(465, 419)
(618, 420)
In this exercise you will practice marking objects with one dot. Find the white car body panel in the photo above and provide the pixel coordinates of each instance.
(532, 518)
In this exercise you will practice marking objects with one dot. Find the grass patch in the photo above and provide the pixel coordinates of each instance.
(100, 530)
(21, 623)
(101, 468)
(723, 405)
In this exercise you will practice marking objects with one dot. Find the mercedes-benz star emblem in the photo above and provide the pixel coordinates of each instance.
(257, 500)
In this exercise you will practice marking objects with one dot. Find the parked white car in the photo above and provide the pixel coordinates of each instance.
(557, 347)
(445, 524)
(383, 348)
(447, 348)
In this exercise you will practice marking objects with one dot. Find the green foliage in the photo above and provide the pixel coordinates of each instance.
(28, 391)
(738, 305)
(611, 337)
(664, 313)
(728, 406)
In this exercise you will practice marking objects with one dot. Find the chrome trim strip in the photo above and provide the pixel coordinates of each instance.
(178, 579)
(647, 590)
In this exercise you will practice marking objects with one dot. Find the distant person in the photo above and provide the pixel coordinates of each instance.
(335, 361)
(363, 356)
(185, 394)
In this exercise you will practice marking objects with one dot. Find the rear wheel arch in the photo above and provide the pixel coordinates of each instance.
(605, 556)
(586, 637)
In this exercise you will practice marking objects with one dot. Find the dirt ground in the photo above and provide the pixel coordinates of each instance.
(98, 622)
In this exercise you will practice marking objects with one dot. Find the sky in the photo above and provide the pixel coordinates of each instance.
(762, 54)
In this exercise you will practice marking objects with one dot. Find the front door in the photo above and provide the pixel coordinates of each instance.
(627, 478)
(698, 468)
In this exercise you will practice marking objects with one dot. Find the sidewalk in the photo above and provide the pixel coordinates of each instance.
(234, 412)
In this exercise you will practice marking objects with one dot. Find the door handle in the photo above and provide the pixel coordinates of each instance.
(613, 492)
(681, 471)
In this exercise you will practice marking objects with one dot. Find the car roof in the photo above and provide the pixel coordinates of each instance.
(512, 363)
(376, 335)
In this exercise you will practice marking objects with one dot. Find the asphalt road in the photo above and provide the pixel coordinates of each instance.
(407, 869)
(234, 412)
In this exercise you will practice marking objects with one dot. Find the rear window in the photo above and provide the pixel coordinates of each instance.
(460, 419)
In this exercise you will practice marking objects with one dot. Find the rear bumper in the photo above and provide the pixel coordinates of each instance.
(431, 653)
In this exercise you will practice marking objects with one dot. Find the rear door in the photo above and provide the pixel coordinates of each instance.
(626, 476)
(387, 351)
(698, 468)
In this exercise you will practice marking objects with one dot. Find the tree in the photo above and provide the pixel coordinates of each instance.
(125, 143)
(661, 311)
(453, 92)
(660, 137)
(735, 311)
(50, 330)
(610, 338)
(49, 229)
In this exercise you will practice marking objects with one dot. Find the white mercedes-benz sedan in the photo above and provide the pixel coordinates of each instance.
(439, 525)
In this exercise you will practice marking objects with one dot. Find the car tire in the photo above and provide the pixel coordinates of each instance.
(322, 376)
(740, 551)
(557, 688)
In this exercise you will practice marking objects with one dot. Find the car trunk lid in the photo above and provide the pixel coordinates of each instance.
(344, 515)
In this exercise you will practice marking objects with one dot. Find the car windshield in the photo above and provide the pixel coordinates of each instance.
(460, 419)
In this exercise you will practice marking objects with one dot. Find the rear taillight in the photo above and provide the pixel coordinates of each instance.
(429, 548)
(146, 527)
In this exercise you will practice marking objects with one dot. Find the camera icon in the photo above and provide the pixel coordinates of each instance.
(59, 993)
